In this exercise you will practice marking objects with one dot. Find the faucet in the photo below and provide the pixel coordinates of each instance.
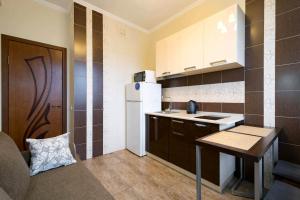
(170, 103)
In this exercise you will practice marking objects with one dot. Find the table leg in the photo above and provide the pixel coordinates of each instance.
(198, 171)
(258, 183)
(275, 151)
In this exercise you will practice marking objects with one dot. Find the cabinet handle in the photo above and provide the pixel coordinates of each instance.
(166, 73)
(154, 118)
(177, 133)
(200, 125)
(176, 121)
(219, 62)
(189, 68)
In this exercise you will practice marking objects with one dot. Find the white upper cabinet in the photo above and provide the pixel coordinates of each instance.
(215, 43)
(224, 38)
(192, 55)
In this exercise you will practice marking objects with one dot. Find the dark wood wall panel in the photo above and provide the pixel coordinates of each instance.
(287, 108)
(80, 79)
(254, 59)
(97, 84)
(232, 75)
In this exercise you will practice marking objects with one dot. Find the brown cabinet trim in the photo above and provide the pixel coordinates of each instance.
(4, 57)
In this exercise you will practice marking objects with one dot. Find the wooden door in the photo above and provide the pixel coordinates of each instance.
(33, 90)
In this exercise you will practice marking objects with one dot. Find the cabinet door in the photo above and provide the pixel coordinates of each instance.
(192, 47)
(178, 145)
(161, 58)
(209, 158)
(174, 53)
(220, 38)
(158, 136)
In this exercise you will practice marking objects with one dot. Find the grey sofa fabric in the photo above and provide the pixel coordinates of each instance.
(287, 170)
(282, 191)
(14, 172)
(71, 182)
(4, 195)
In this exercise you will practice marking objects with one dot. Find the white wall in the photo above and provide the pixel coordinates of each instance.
(124, 50)
(34, 21)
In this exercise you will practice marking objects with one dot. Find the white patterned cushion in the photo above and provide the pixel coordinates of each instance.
(49, 153)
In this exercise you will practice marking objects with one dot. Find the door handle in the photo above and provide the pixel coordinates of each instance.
(177, 133)
(176, 121)
(189, 68)
(200, 125)
(219, 62)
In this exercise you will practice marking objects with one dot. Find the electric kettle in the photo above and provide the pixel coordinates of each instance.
(191, 107)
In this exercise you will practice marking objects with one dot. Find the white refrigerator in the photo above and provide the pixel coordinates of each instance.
(140, 98)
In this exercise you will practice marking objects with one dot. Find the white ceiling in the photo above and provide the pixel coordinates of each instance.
(146, 14)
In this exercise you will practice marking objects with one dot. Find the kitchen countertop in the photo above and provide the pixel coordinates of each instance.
(231, 118)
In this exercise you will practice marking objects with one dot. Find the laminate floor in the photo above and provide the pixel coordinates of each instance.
(128, 177)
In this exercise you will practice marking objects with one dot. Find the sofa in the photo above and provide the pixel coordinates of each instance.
(73, 182)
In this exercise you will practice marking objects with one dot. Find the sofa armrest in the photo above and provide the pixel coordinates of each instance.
(26, 155)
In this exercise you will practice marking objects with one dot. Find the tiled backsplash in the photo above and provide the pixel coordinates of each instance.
(233, 92)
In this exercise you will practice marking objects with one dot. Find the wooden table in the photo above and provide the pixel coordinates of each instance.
(255, 154)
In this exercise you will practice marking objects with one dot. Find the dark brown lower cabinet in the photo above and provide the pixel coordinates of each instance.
(157, 141)
(173, 140)
(178, 145)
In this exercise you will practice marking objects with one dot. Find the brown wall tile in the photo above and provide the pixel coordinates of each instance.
(98, 132)
(97, 148)
(212, 107)
(254, 120)
(289, 152)
(195, 79)
(79, 118)
(255, 33)
(79, 43)
(80, 135)
(288, 77)
(288, 24)
(254, 80)
(287, 103)
(177, 82)
(81, 150)
(254, 11)
(254, 57)
(290, 130)
(288, 51)
(211, 78)
(254, 103)
(97, 117)
(233, 75)
(233, 108)
(79, 68)
(97, 22)
(286, 5)
(80, 18)
(80, 93)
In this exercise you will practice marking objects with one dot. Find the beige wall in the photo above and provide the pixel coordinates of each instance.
(194, 15)
(31, 20)
(124, 51)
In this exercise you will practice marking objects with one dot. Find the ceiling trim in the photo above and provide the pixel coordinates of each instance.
(52, 6)
(109, 14)
(183, 11)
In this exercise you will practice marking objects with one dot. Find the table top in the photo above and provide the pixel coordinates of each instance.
(236, 140)
(255, 153)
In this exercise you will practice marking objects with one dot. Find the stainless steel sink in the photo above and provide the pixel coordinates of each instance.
(167, 112)
(211, 117)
